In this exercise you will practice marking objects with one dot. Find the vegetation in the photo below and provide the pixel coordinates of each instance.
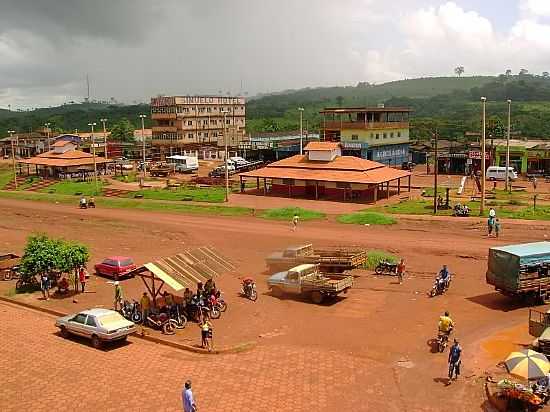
(6, 175)
(366, 218)
(374, 257)
(288, 213)
(205, 194)
(72, 188)
(123, 131)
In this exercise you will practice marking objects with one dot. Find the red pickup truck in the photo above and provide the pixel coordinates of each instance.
(115, 266)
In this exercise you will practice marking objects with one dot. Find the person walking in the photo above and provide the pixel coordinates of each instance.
(206, 333)
(401, 270)
(187, 398)
(497, 228)
(490, 224)
(45, 286)
(118, 295)
(145, 304)
(82, 277)
(295, 221)
(454, 360)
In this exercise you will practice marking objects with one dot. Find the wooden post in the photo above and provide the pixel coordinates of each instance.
(265, 187)
(153, 289)
(258, 184)
(399, 186)
(409, 183)
(375, 193)
(289, 190)
(388, 190)
(316, 190)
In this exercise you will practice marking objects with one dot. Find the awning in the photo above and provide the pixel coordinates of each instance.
(166, 278)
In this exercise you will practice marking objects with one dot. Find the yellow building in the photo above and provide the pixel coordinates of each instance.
(380, 134)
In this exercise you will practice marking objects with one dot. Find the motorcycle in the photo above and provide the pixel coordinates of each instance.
(162, 322)
(439, 288)
(213, 308)
(385, 267)
(442, 340)
(178, 317)
(248, 289)
(131, 311)
(461, 210)
(222, 304)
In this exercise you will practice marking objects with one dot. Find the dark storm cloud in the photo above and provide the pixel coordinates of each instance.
(61, 21)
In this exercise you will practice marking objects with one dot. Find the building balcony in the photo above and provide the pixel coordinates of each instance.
(336, 125)
(164, 129)
(163, 116)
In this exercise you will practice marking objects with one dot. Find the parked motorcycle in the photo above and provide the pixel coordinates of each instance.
(179, 317)
(248, 289)
(162, 322)
(460, 210)
(385, 267)
(131, 311)
(213, 308)
(439, 288)
(222, 304)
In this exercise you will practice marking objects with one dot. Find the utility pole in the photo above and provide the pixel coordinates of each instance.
(483, 127)
(142, 117)
(436, 164)
(11, 132)
(47, 126)
(93, 153)
(508, 182)
(301, 110)
(225, 112)
(104, 135)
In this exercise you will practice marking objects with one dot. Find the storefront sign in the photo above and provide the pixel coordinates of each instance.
(354, 145)
(476, 154)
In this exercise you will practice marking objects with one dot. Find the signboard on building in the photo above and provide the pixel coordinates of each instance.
(476, 154)
(354, 145)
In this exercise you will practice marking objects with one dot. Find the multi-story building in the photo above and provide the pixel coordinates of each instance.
(374, 133)
(195, 125)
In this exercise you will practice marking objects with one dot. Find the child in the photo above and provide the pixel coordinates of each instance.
(497, 228)
(295, 222)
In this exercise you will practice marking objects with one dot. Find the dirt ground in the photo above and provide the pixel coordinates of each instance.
(385, 326)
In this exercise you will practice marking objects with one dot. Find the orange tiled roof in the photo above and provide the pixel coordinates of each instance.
(67, 159)
(342, 169)
(322, 146)
(61, 143)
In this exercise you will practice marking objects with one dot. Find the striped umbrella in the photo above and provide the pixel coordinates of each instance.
(527, 364)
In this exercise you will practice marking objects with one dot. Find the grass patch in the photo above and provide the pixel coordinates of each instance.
(197, 194)
(139, 204)
(429, 191)
(366, 218)
(374, 257)
(129, 178)
(5, 177)
(287, 213)
(71, 188)
(411, 207)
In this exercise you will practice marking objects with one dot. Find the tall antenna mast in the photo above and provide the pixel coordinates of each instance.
(88, 86)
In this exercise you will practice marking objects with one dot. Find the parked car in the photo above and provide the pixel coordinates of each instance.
(100, 325)
(115, 266)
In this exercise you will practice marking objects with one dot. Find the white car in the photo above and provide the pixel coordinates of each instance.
(100, 325)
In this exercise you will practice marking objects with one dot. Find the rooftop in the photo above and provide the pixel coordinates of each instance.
(67, 159)
(526, 249)
(364, 109)
(322, 146)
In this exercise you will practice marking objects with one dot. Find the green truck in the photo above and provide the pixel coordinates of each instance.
(521, 270)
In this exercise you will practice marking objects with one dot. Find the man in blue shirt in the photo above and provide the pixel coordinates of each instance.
(187, 398)
(454, 360)
(444, 278)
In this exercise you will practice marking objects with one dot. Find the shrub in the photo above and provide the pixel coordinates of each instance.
(374, 257)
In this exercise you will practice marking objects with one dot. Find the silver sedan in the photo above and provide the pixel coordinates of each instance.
(100, 325)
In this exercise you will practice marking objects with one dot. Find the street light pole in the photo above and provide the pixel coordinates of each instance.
(11, 132)
(436, 167)
(93, 153)
(47, 125)
(142, 117)
(508, 182)
(301, 110)
(225, 112)
(104, 136)
(482, 203)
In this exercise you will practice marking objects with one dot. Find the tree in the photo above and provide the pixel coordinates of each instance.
(123, 131)
(72, 255)
(508, 72)
(459, 70)
(545, 75)
(41, 255)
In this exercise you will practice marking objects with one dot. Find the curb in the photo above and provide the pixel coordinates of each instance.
(242, 347)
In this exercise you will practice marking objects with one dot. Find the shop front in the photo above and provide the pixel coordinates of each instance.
(518, 158)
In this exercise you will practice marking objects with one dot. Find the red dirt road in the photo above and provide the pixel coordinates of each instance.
(377, 336)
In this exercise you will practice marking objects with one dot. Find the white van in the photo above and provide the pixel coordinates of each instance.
(499, 173)
(184, 164)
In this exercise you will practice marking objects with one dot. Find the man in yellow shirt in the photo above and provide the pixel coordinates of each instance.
(446, 324)
(145, 303)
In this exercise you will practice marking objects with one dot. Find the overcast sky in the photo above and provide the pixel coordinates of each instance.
(133, 49)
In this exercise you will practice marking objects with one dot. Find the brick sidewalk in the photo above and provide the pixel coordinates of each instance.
(43, 372)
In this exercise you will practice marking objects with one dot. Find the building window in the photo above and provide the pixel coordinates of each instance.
(371, 135)
(214, 134)
(354, 137)
(209, 109)
(398, 134)
(205, 134)
(189, 123)
(391, 135)
(288, 182)
(205, 122)
(377, 135)
(227, 121)
(190, 135)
